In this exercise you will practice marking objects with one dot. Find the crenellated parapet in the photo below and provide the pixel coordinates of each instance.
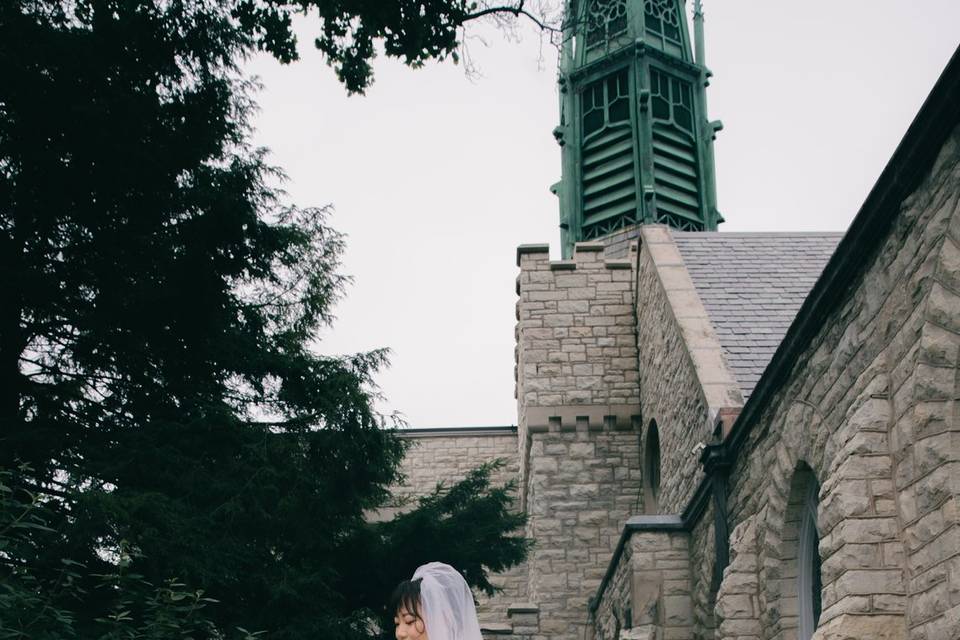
(578, 400)
(576, 340)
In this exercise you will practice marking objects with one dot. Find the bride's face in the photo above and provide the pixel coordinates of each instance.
(409, 626)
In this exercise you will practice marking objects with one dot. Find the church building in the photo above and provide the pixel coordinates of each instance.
(750, 436)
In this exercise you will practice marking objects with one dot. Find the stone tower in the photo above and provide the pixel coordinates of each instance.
(636, 142)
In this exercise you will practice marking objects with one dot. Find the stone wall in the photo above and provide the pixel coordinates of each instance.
(584, 484)
(865, 428)
(684, 380)
(447, 455)
(871, 408)
(576, 347)
(578, 423)
(618, 244)
(702, 560)
(649, 594)
(615, 604)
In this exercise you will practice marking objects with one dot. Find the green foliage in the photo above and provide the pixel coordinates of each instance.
(166, 423)
(467, 525)
(471, 525)
(40, 605)
(26, 606)
(414, 31)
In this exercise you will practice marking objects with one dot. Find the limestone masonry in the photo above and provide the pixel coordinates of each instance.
(739, 436)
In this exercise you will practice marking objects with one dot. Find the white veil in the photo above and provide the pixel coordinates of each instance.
(446, 603)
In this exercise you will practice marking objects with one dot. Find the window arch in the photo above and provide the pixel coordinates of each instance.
(651, 469)
(801, 585)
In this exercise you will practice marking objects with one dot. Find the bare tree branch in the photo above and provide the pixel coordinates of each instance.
(516, 11)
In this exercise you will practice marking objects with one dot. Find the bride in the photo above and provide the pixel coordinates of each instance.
(436, 604)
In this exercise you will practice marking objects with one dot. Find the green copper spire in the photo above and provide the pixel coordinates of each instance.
(636, 143)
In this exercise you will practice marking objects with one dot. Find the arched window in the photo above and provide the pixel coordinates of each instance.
(651, 469)
(802, 585)
(809, 582)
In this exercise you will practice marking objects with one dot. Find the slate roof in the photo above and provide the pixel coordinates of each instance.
(752, 285)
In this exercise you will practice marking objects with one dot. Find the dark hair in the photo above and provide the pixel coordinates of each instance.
(407, 597)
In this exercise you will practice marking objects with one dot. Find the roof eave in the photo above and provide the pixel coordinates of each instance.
(910, 163)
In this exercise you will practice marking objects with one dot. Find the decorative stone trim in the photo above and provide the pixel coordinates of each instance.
(496, 628)
(525, 618)
(532, 249)
(586, 247)
(719, 386)
(447, 432)
(583, 418)
(522, 607)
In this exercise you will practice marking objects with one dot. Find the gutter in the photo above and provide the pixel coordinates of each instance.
(446, 432)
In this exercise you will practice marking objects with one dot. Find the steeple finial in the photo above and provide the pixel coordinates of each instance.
(699, 53)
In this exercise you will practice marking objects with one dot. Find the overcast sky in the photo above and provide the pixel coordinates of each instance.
(436, 177)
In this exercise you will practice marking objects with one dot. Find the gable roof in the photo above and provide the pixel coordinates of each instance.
(752, 285)
(915, 155)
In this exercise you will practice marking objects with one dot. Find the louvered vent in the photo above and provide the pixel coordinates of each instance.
(607, 170)
(675, 175)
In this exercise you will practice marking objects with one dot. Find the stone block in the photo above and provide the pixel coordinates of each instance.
(593, 517)
(573, 306)
(558, 320)
(582, 293)
(931, 555)
(867, 582)
(944, 308)
(566, 281)
(582, 450)
(677, 611)
(934, 382)
(928, 604)
(859, 530)
(543, 296)
(924, 530)
(938, 346)
(850, 556)
(741, 629)
(890, 603)
(846, 498)
(613, 287)
(940, 485)
(865, 466)
(861, 627)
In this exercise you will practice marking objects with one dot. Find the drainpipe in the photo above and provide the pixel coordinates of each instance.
(716, 464)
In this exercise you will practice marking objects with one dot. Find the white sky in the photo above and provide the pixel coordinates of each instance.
(437, 177)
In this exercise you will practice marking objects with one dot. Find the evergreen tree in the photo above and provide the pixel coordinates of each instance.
(159, 396)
